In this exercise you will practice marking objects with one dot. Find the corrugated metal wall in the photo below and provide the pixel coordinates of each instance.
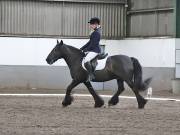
(111, 15)
(30, 18)
(150, 18)
(60, 18)
(91, 1)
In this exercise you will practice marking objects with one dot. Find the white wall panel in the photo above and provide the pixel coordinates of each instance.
(33, 51)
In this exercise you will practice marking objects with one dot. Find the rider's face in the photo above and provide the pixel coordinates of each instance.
(93, 26)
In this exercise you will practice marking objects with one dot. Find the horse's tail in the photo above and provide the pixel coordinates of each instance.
(139, 84)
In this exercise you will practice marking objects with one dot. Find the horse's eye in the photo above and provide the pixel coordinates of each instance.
(55, 50)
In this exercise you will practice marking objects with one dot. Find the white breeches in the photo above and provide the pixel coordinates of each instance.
(90, 56)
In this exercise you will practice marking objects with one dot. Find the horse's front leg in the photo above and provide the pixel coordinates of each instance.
(99, 102)
(68, 98)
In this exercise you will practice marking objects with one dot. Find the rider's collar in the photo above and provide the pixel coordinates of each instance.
(99, 26)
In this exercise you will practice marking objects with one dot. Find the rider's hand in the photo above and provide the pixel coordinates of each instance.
(82, 51)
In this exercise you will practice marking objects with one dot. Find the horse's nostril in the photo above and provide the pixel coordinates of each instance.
(47, 60)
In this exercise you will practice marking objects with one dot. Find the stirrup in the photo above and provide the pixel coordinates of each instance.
(90, 78)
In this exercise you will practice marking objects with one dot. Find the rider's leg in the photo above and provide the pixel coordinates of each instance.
(90, 56)
(90, 71)
(87, 61)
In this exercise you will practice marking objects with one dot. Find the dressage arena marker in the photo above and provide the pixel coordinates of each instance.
(85, 95)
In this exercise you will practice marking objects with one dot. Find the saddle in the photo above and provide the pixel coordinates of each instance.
(98, 57)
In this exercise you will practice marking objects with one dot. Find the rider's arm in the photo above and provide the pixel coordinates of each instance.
(85, 46)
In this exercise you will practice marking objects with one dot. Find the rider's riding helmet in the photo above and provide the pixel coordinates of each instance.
(94, 20)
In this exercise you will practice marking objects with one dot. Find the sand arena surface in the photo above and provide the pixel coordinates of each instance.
(46, 116)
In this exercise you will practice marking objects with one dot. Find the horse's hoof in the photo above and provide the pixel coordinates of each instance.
(99, 104)
(113, 101)
(142, 104)
(67, 101)
(65, 104)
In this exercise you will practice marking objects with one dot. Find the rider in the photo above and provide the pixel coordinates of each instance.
(92, 47)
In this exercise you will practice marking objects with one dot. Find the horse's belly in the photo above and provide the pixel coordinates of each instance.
(103, 75)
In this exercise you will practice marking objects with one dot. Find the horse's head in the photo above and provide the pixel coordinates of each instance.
(55, 54)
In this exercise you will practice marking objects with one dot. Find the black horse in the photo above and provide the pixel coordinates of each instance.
(119, 67)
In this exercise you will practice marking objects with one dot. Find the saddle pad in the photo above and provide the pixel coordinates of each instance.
(100, 66)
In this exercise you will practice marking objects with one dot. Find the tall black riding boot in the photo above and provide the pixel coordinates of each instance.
(89, 68)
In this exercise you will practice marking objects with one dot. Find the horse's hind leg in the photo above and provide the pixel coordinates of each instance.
(68, 98)
(141, 101)
(98, 100)
(115, 99)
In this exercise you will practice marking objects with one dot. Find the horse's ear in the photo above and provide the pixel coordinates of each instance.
(61, 43)
(57, 41)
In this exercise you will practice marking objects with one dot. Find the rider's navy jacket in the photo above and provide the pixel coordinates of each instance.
(93, 44)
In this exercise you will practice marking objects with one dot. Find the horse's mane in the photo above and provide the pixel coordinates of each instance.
(74, 49)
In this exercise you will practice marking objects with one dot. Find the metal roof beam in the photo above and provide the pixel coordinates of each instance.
(91, 1)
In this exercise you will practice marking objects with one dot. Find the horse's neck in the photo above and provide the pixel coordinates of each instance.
(72, 56)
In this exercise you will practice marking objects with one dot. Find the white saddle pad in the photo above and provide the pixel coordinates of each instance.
(101, 64)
